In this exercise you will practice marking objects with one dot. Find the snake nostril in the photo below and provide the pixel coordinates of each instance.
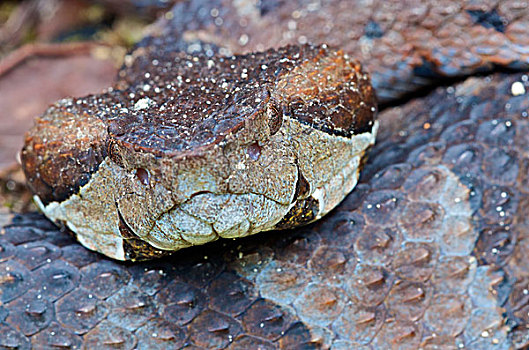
(254, 151)
(142, 175)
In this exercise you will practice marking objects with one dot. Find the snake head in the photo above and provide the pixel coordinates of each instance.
(200, 147)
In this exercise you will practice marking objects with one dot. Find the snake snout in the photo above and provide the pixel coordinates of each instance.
(61, 152)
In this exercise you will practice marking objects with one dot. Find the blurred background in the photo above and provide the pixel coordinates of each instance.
(50, 49)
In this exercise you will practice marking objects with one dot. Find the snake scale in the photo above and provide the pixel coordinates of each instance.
(428, 251)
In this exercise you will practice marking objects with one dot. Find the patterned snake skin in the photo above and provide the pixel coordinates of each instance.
(429, 251)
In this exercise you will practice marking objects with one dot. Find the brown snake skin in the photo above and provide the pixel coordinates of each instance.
(429, 251)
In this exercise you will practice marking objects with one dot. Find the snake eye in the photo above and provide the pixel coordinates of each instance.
(275, 119)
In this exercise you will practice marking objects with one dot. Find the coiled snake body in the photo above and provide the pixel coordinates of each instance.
(429, 251)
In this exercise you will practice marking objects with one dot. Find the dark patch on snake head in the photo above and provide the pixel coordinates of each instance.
(363, 159)
(135, 248)
(302, 213)
(302, 187)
